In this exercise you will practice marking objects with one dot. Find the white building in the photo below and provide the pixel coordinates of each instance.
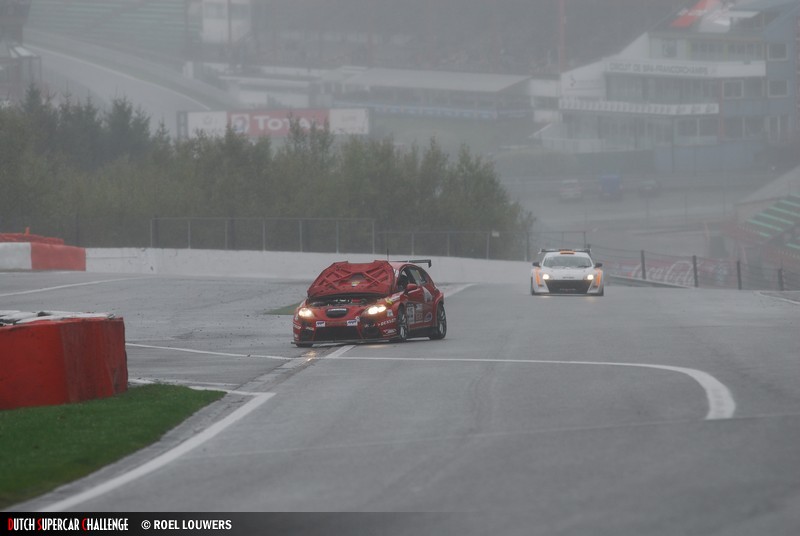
(714, 87)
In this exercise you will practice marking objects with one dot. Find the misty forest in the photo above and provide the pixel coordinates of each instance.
(98, 177)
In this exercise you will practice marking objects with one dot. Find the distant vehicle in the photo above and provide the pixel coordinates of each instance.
(610, 186)
(567, 271)
(570, 190)
(649, 188)
(378, 300)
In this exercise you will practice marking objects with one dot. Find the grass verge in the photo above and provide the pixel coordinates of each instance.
(42, 448)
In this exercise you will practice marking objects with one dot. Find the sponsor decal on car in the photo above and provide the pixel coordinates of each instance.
(320, 323)
(353, 322)
(428, 317)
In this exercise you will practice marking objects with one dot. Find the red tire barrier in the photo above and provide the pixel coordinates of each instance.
(49, 362)
(27, 237)
(57, 257)
(25, 251)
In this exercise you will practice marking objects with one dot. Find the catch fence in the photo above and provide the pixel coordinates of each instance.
(362, 235)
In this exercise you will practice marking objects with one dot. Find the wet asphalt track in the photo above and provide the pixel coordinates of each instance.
(529, 415)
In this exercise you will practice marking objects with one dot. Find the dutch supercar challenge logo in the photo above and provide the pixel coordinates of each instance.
(52, 524)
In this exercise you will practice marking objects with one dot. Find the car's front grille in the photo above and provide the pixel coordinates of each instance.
(339, 333)
(336, 312)
(569, 286)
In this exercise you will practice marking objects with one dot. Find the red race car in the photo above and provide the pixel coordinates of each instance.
(378, 300)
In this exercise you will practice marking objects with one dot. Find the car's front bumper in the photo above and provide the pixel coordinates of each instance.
(344, 331)
(567, 286)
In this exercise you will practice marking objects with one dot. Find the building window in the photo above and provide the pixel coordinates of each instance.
(687, 128)
(778, 128)
(708, 127)
(753, 127)
(734, 128)
(753, 88)
(777, 52)
(778, 88)
(669, 48)
(732, 89)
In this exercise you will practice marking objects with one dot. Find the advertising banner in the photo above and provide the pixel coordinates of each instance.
(275, 123)
(691, 16)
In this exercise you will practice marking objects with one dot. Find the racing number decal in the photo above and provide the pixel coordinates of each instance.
(410, 313)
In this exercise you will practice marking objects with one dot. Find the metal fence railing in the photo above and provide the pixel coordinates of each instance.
(695, 271)
(329, 235)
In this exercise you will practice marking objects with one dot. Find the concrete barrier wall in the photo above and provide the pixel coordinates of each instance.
(49, 362)
(285, 265)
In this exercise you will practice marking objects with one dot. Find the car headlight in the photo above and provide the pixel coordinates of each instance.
(545, 276)
(305, 312)
(590, 277)
(376, 309)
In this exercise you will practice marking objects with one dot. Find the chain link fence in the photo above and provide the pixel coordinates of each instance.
(333, 235)
(362, 235)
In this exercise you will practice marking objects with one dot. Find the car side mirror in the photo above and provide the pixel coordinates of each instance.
(411, 287)
(536, 264)
(598, 265)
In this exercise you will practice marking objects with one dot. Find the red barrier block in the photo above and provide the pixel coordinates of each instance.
(57, 257)
(62, 361)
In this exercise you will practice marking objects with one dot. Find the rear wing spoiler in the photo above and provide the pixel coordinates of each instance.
(582, 250)
(418, 261)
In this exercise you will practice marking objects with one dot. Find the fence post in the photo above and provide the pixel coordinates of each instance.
(528, 246)
(154, 232)
(232, 226)
(263, 234)
(337, 237)
(780, 278)
(644, 270)
(694, 269)
(412, 243)
(189, 233)
(77, 229)
(739, 274)
(300, 230)
(373, 237)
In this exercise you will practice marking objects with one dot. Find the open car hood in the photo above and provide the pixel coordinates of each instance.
(376, 277)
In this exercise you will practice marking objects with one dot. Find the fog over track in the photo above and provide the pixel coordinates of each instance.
(647, 411)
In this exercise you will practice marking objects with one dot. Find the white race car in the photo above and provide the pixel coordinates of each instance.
(567, 271)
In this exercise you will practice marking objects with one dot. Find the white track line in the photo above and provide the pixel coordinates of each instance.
(720, 401)
(165, 458)
(207, 352)
(47, 289)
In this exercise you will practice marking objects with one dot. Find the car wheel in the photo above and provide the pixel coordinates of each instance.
(440, 329)
(402, 324)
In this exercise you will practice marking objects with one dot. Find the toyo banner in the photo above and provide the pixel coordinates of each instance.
(259, 123)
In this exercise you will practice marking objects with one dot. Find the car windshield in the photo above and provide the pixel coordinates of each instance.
(567, 261)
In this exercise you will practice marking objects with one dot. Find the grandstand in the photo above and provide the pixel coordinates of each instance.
(502, 36)
(163, 29)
